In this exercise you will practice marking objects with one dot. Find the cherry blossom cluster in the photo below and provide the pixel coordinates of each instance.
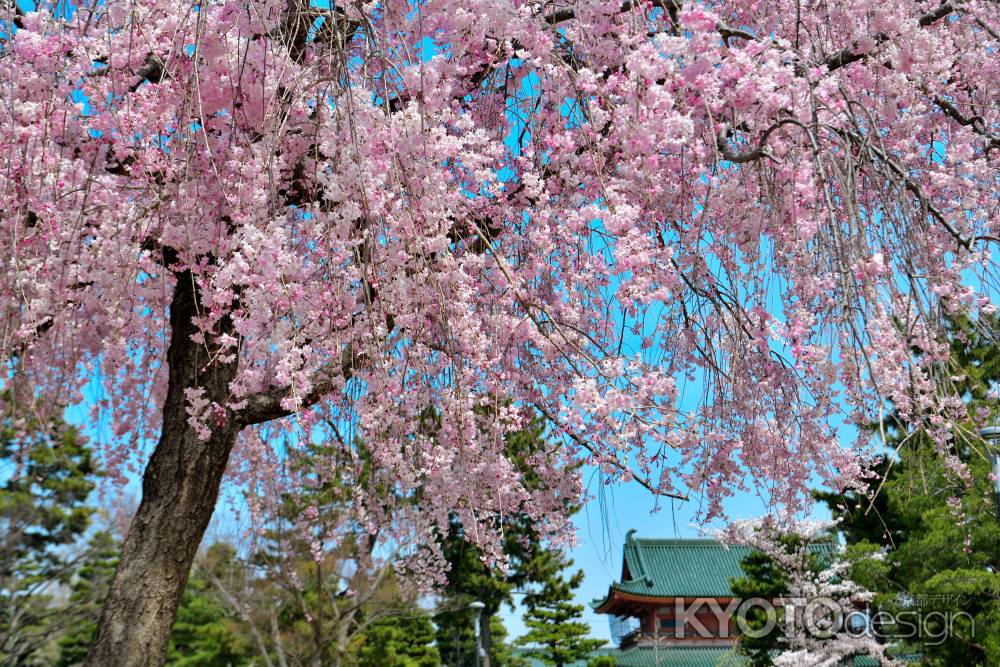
(694, 237)
(824, 639)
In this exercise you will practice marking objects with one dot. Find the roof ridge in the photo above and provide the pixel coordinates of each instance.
(705, 542)
(680, 540)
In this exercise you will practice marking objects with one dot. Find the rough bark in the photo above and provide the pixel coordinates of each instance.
(179, 491)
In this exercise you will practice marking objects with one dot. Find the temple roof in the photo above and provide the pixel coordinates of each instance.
(681, 657)
(672, 568)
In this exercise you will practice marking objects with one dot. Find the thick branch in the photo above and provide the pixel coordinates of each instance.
(153, 71)
(335, 22)
(852, 54)
(755, 153)
(977, 123)
(568, 13)
(267, 405)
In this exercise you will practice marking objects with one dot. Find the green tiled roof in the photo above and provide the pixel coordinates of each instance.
(668, 568)
(677, 656)
(869, 661)
(681, 568)
(674, 656)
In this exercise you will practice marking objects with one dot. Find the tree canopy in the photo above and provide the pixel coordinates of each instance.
(244, 217)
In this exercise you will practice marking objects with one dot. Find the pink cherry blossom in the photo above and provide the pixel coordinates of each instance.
(692, 237)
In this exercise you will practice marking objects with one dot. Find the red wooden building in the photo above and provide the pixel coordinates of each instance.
(677, 593)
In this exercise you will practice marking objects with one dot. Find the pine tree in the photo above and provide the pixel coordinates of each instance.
(556, 633)
(43, 516)
(401, 639)
(470, 579)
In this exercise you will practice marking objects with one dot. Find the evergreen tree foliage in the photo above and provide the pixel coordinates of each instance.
(90, 585)
(938, 531)
(47, 473)
(556, 633)
(459, 648)
(206, 633)
(401, 639)
(603, 661)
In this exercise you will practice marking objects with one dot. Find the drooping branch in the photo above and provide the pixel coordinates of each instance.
(760, 151)
(909, 185)
(590, 447)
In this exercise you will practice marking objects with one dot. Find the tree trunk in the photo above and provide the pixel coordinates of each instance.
(486, 639)
(179, 490)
